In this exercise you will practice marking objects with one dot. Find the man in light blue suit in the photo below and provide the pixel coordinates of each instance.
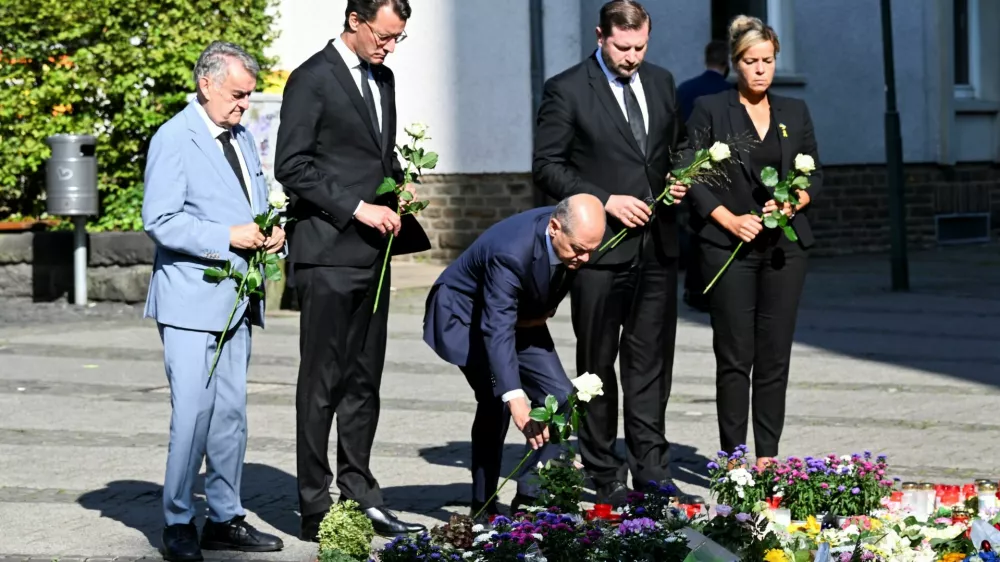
(203, 187)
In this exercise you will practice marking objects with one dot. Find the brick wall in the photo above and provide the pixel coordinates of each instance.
(462, 206)
(851, 215)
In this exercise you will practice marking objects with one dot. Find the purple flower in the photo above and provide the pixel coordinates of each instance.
(742, 517)
(636, 526)
(855, 490)
(713, 466)
(500, 521)
(723, 510)
(722, 454)
(841, 488)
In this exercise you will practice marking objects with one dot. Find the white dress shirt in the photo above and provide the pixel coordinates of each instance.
(215, 131)
(553, 262)
(353, 63)
(619, 91)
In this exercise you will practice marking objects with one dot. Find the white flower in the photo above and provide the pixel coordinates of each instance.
(538, 537)
(416, 130)
(588, 385)
(805, 164)
(277, 199)
(477, 528)
(720, 151)
(135, 41)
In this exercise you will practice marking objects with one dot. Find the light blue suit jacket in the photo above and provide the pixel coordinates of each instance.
(191, 199)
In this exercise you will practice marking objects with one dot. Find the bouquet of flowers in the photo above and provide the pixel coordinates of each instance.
(640, 540)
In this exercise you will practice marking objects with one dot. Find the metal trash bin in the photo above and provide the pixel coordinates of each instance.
(71, 191)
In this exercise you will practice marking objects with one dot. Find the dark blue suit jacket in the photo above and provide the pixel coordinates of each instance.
(708, 83)
(474, 306)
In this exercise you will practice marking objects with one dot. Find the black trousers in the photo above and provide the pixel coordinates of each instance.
(753, 307)
(639, 300)
(541, 374)
(342, 348)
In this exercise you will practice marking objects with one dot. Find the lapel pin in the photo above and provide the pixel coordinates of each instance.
(784, 130)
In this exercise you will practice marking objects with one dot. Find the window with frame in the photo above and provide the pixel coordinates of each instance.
(965, 51)
(776, 13)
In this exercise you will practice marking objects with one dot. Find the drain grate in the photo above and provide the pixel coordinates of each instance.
(963, 228)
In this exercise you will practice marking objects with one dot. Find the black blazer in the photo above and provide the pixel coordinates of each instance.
(328, 158)
(720, 117)
(583, 144)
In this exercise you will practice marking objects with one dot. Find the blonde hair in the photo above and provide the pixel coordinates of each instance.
(747, 31)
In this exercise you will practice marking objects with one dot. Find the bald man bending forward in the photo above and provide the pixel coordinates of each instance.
(486, 314)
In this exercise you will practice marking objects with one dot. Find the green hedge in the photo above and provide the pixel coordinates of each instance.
(114, 68)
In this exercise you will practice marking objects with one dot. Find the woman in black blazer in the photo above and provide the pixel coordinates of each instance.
(754, 304)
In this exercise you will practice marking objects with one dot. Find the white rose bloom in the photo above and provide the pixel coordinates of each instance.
(277, 199)
(416, 130)
(477, 528)
(588, 385)
(805, 164)
(720, 151)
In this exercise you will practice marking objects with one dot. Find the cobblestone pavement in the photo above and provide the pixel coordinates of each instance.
(84, 406)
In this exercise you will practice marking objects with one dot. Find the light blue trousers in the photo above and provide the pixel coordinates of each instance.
(207, 422)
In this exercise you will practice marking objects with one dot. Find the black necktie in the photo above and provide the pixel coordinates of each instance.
(634, 113)
(233, 160)
(366, 91)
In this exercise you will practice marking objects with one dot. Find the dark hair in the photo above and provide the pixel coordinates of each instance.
(367, 10)
(623, 14)
(717, 54)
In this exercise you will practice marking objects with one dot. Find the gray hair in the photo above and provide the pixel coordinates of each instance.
(564, 214)
(214, 62)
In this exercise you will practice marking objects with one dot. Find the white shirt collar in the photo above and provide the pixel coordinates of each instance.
(213, 129)
(350, 57)
(612, 77)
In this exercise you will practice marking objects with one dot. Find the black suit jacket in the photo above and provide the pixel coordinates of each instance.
(329, 160)
(583, 144)
(705, 84)
(720, 117)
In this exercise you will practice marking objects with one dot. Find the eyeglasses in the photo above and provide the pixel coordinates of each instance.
(384, 39)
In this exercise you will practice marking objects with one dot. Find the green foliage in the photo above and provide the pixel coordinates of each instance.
(114, 68)
(561, 485)
(335, 556)
(346, 529)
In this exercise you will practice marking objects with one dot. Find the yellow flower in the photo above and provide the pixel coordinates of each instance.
(953, 557)
(811, 527)
(775, 555)
(61, 109)
(784, 131)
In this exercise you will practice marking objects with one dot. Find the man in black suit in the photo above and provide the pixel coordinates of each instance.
(608, 127)
(487, 314)
(335, 145)
(712, 81)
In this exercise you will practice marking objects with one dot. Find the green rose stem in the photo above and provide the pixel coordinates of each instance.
(502, 484)
(719, 274)
(254, 262)
(684, 176)
(385, 262)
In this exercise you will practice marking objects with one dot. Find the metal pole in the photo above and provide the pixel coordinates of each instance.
(80, 260)
(894, 161)
(536, 20)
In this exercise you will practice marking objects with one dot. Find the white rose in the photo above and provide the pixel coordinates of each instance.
(720, 151)
(416, 130)
(804, 163)
(588, 385)
(277, 199)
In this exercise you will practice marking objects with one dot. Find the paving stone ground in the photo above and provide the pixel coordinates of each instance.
(84, 406)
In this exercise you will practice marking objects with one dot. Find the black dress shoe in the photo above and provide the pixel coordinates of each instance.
(520, 503)
(387, 524)
(614, 493)
(180, 543)
(668, 487)
(237, 534)
(309, 530)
